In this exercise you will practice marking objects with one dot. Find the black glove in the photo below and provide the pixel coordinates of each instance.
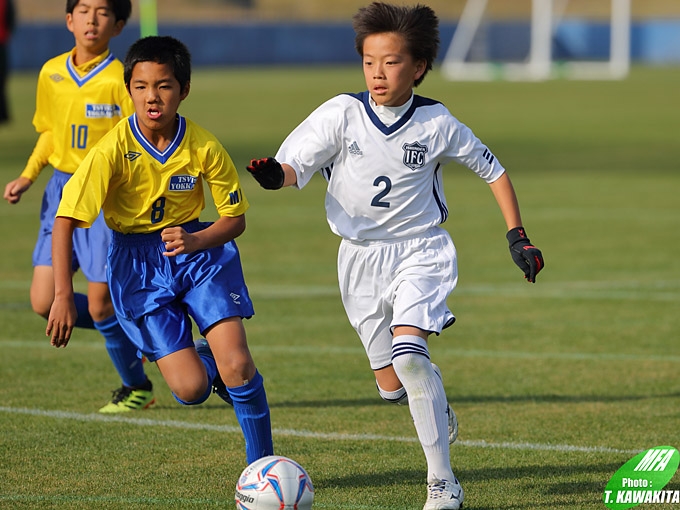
(526, 256)
(268, 172)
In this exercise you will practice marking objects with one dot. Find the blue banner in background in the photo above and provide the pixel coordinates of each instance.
(246, 44)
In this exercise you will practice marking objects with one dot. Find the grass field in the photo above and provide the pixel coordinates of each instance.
(556, 385)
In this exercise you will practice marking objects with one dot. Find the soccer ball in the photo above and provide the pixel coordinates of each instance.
(274, 483)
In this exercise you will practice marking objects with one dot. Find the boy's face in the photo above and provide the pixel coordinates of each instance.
(156, 94)
(93, 24)
(389, 69)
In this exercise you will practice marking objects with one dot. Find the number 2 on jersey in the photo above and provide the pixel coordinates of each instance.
(378, 199)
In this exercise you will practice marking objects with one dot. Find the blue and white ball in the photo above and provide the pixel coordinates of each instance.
(274, 483)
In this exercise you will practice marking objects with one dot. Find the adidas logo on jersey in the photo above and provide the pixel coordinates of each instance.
(354, 149)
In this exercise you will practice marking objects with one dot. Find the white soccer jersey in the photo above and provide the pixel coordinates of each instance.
(383, 182)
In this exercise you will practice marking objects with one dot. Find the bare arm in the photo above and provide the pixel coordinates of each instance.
(177, 240)
(505, 195)
(63, 313)
(527, 257)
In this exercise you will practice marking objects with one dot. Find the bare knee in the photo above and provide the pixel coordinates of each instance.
(185, 374)
(41, 308)
(229, 346)
(99, 312)
(41, 303)
(237, 369)
(191, 393)
(99, 301)
(42, 290)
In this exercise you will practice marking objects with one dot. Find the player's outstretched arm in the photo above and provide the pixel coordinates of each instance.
(271, 174)
(527, 257)
(63, 313)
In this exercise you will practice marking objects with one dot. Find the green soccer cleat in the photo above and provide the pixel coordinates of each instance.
(126, 399)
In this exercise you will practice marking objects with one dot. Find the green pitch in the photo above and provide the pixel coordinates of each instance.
(556, 385)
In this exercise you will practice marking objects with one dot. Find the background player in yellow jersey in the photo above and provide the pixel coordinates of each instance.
(80, 97)
(165, 266)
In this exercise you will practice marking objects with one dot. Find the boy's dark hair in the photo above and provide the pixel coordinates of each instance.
(162, 50)
(121, 8)
(418, 25)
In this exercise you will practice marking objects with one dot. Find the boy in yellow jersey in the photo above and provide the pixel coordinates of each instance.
(165, 266)
(80, 97)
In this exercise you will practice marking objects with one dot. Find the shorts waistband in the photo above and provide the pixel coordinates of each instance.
(430, 232)
(152, 238)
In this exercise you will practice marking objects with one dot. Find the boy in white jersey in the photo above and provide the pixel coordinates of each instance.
(165, 267)
(80, 97)
(382, 152)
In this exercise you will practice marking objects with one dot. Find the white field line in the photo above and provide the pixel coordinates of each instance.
(668, 290)
(38, 342)
(306, 434)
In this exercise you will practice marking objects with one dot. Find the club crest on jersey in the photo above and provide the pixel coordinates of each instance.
(182, 183)
(414, 155)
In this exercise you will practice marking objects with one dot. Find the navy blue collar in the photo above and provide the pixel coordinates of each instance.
(365, 98)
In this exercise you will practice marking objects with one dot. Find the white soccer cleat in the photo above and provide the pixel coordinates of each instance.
(444, 495)
(453, 420)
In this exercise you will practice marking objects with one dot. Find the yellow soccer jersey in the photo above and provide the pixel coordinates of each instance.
(142, 189)
(78, 105)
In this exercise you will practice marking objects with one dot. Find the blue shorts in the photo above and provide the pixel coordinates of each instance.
(90, 245)
(155, 296)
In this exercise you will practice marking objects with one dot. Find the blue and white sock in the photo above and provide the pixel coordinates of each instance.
(252, 412)
(122, 352)
(394, 397)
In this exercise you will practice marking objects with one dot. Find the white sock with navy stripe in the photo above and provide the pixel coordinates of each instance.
(411, 361)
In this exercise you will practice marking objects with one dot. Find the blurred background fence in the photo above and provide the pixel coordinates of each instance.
(284, 32)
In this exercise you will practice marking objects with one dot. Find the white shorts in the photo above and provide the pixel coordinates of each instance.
(400, 282)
